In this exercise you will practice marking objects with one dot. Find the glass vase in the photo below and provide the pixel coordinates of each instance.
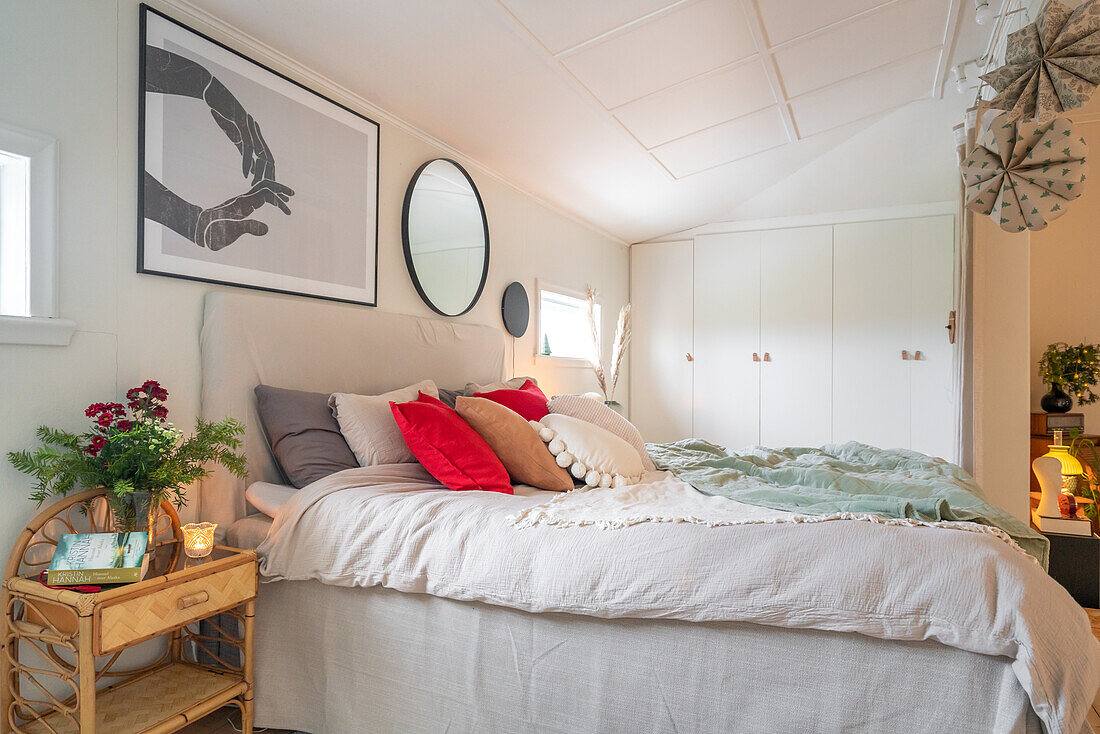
(137, 512)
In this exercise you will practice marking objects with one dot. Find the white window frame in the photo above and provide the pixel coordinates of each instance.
(552, 360)
(42, 326)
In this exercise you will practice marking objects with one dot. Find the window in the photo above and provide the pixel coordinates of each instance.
(564, 330)
(28, 246)
(14, 239)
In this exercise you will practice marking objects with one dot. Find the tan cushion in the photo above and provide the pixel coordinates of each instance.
(515, 443)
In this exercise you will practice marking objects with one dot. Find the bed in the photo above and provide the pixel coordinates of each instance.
(545, 638)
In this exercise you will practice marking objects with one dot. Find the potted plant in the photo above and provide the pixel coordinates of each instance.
(1088, 484)
(135, 453)
(1071, 372)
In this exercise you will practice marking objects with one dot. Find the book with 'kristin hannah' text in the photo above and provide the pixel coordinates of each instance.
(98, 558)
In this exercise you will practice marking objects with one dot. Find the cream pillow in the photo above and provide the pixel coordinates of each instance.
(514, 384)
(590, 453)
(368, 425)
(594, 411)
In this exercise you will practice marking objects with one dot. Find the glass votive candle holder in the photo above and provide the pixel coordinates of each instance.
(198, 538)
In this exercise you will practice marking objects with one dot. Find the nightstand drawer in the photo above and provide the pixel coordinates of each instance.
(148, 615)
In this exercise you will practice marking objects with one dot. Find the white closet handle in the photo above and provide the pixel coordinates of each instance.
(689, 357)
(916, 354)
(767, 357)
(755, 357)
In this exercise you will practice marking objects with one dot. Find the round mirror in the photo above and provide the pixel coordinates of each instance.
(446, 237)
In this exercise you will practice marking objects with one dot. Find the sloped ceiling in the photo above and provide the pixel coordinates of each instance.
(642, 117)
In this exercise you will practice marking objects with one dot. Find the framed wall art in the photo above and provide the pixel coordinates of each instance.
(248, 178)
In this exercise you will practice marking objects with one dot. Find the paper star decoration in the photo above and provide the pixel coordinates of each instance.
(1023, 174)
(1051, 65)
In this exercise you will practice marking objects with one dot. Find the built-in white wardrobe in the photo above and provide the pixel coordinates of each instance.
(797, 337)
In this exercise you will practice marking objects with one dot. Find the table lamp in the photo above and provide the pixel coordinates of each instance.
(1069, 470)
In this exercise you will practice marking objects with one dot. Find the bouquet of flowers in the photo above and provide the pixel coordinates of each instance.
(130, 450)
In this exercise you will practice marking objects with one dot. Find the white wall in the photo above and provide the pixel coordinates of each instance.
(1001, 321)
(70, 71)
(1065, 261)
(905, 158)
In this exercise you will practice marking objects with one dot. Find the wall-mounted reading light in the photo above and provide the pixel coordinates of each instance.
(961, 82)
(983, 14)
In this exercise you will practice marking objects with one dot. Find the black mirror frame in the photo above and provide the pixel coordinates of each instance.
(408, 250)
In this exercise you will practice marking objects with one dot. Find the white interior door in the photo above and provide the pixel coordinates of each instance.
(933, 403)
(796, 319)
(727, 334)
(660, 373)
(872, 286)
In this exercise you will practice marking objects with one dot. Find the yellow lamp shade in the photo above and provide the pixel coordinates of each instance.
(1071, 467)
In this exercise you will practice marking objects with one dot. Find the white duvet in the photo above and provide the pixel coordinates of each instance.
(396, 526)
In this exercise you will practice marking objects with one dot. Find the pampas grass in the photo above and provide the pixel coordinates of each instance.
(607, 381)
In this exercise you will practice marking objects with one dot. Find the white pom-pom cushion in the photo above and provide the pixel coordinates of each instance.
(594, 411)
(592, 454)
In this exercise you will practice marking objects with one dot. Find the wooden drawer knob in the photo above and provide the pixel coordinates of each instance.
(192, 599)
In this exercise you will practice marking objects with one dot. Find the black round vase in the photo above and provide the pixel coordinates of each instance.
(1056, 401)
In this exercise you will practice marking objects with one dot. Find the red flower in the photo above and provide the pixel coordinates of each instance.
(133, 393)
(97, 444)
(93, 409)
(105, 419)
(116, 408)
(124, 426)
(160, 412)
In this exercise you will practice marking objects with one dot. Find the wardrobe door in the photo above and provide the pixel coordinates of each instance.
(933, 403)
(660, 370)
(872, 291)
(796, 307)
(727, 335)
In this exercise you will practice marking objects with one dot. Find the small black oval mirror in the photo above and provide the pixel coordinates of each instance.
(515, 309)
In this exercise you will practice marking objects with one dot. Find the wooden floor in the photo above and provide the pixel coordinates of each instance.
(228, 721)
(224, 721)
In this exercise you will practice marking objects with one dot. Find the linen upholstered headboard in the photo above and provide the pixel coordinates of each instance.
(249, 340)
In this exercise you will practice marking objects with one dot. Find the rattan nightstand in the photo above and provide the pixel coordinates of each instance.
(52, 638)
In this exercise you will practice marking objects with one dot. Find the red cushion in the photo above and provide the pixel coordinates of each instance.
(528, 401)
(449, 449)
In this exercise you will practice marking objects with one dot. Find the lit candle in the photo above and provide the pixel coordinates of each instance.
(198, 538)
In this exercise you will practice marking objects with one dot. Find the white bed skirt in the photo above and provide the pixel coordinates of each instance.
(335, 660)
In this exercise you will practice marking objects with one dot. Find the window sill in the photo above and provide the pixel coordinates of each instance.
(36, 330)
(551, 361)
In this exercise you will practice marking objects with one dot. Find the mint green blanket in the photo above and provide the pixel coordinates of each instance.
(851, 477)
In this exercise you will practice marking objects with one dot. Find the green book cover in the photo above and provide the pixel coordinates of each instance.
(98, 558)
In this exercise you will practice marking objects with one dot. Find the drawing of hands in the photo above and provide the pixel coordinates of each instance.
(242, 130)
(221, 225)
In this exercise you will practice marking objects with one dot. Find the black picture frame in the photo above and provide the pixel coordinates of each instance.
(407, 248)
(142, 266)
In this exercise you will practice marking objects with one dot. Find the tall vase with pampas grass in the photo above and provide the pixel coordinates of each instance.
(608, 379)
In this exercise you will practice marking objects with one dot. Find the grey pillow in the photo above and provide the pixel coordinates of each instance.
(303, 435)
(450, 397)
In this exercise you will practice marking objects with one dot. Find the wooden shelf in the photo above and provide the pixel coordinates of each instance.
(162, 700)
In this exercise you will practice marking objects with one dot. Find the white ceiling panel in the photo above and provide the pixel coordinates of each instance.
(700, 103)
(562, 24)
(787, 19)
(724, 143)
(673, 47)
(482, 77)
(883, 89)
(885, 35)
